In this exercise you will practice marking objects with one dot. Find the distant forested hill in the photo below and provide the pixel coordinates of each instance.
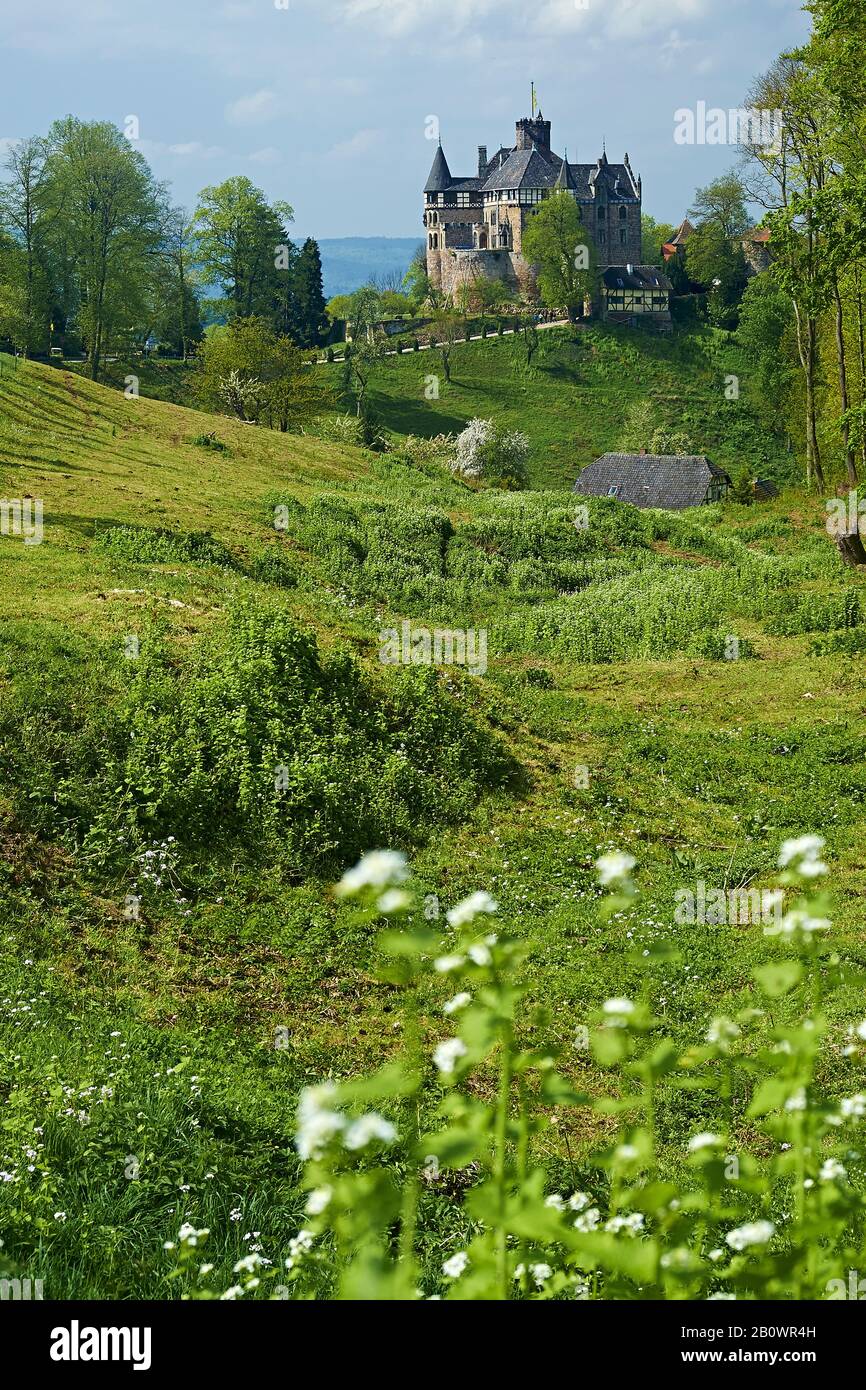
(349, 262)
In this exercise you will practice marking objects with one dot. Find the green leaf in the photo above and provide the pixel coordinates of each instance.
(778, 979)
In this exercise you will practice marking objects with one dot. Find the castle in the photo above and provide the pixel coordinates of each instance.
(475, 225)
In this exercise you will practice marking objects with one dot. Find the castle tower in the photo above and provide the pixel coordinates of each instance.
(534, 130)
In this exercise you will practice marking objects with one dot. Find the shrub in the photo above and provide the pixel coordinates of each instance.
(295, 756)
(819, 613)
(489, 452)
(849, 641)
(272, 567)
(338, 429)
(210, 441)
(158, 547)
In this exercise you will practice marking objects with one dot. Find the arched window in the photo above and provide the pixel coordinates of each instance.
(623, 214)
(601, 214)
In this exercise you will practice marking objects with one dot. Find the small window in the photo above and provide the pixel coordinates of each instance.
(613, 491)
(623, 214)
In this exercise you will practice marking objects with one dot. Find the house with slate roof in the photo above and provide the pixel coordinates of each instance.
(474, 224)
(655, 480)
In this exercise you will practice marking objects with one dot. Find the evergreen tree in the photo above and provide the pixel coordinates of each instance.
(312, 320)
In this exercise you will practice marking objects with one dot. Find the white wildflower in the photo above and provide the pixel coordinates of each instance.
(363, 1131)
(455, 1266)
(318, 1200)
(448, 1054)
(832, 1170)
(382, 868)
(318, 1121)
(804, 854)
(753, 1233)
(614, 868)
(470, 908)
(704, 1141)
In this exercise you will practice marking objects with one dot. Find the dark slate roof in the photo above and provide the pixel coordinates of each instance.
(564, 179)
(651, 480)
(636, 277)
(522, 169)
(534, 169)
(468, 185)
(440, 174)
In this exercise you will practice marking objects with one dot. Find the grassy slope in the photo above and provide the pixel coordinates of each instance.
(698, 767)
(574, 401)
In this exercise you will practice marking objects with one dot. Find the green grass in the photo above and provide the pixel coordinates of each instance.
(573, 402)
(240, 969)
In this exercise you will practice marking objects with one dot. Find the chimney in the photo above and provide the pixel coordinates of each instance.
(482, 161)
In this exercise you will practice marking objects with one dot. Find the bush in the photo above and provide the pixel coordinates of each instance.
(488, 452)
(295, 756)
(143, 546)
(210, 441)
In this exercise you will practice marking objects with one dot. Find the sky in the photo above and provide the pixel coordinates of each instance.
(334, 105)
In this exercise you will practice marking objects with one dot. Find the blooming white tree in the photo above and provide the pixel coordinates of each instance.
(484, 450)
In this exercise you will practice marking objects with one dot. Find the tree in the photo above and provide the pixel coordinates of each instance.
(488, 451)
(309, 295)
(102, 198)
(366, 350)
(723, 204)
(416, 281)
(531, 339)
(22, 211)
(243, 246)
(743, 490)
(765, 331)
(556, 242)
(783, 178)
(177, 319)
(719, 265)
(654, 235)
(448, 330)
(258, 374)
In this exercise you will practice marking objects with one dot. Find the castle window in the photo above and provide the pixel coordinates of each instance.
(623, 214)
(623, 237)
(601, 238)
(601, 214)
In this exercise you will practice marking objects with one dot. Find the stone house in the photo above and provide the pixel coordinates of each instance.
(671, 482)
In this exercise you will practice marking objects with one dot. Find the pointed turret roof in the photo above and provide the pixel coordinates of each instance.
(564, 178)
(440, 175)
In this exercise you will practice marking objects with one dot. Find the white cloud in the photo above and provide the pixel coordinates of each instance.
(269, 155)
(616, 19)
(359, 143)
(404, 16)
(255, 109)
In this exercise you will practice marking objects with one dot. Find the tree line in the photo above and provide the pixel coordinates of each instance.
(96, 259)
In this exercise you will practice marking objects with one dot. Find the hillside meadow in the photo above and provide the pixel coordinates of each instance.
(198, 739)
